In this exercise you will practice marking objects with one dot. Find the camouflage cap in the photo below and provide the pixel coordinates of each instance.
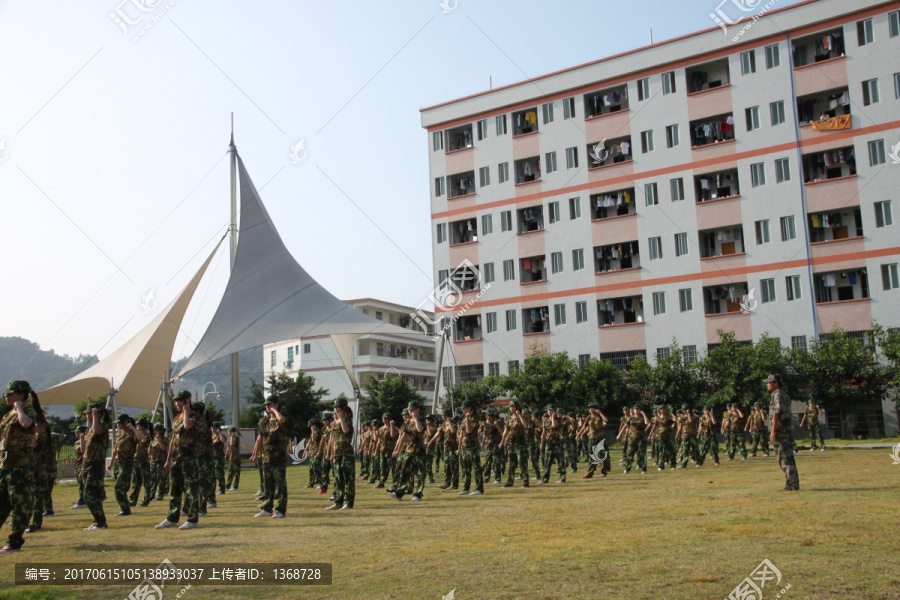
(414, 404)
(468, 403)
(97, 405)
(273, 399)
(456, 418)
(492, 412)
(447, 412)
(232, 429)
(513, 404)
(773, 379)
(123, 418)
(145, 422)
(550, 407)
(684, 407)
(217, 426)
(339, 403)
(593, 405)
(405, 411)
(386, 416)
(311, 422)
(18, 387)
(526, 410)
(327, 415)
(430, 418)
(182, 395)
(158, 427)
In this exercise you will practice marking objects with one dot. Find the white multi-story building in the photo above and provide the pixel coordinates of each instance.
(380, 355)
(675, 190)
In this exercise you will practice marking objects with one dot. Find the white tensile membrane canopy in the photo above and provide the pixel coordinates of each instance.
(138, 369)
(271, 298)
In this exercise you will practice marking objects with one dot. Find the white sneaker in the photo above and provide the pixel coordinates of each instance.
(333, 507)
(189, 525)
(345, 507)
(220, 493)
(475, 493)
(95, 527)
(79, 506)
(201, 514)
(812, 449)
(822, 450)
(263, 513)
(416, 499)
(278, 515)
(165, 524)
(232, 489)
(463, 493)
(212, 505)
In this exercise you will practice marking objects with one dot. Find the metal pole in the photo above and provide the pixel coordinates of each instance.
(437, 379)
(235, 362)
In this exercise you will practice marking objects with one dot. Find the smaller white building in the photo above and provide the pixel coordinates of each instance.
(381, 356)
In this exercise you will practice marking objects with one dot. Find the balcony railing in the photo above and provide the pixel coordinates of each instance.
(718, 185)
(613, 204)
(616, 257)
(605, 102)
(721, 299)
(536, 320)
(722, 241)
(713, 130)
(835, 286)
(618, 311)
(831, 164)
(533, 269)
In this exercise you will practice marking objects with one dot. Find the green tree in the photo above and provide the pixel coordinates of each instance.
(545, 378)
(299, 401)
(483, 392)
(670, 381)
(599, 382)
(888, 341)
(734, 372)
(390, 396)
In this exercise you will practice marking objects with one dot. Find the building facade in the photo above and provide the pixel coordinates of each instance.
(668, 192)
(379, 356)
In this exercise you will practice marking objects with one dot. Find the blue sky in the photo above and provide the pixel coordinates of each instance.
(114, 181)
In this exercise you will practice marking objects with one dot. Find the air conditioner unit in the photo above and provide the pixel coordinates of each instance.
(288, 364)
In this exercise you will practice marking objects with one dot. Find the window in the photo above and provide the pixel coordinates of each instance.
(776, 110)
(488, 270)
(643, 86)
(501, 124)
(768, 290)
(559, 314)
(788, 231)
(672, 136)
(782, 170)
(864, 33)
(494, 367)
(773, 56)
(510, 320)
(650, 195)
(553, 209)
(574, 208)
(655, 248)
(889, 276)
(581, 312)
(677, 188)
(870, 92)
(512, 366)
(550, 165)
(894, 23)
(509, 270)
(568, 108)
(876, 153)
(503, 172)
(757, 175)
(748, 62)
(659, 303)
(689, 354)
(307, 348)
(662, 353)
(647, 141)
(578, 259)
(752, 118)
(792, 283)
(681, 244)
(668, 82)
(491, 321)
(762, 232)
(506, 220)
(572, 158)
(556, 264)
(897, 86)
(438, 140)
(439, 186)
(441, 233)
(273, 358)
(481, 128)
(798, 342)
(583, 359)
(443, 274)
(883, 216)
(487, 224)
(484, 176)
(547, 109)
(685, 300)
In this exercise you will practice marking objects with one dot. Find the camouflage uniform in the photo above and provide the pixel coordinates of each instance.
(517, 451)
(569, 444)
(324, 462)
(343, 464)
(430, 431)
(218, 448)
(233, 455)
(141, 476)
(470, 457)
(126, 444)
(260, 458)
(94, 470)
(16, 472)
(451, 460)
(637, 443)
(490, 440)
(315, 436)
(44, 474)
(663, 437)
(533, 442)
(274, 470)
(187, 450)
(709, 443)
(412, 458)
(207, 464)
(758, 434)
(79, 456)
(815, 431)
(738, 442)
(388, 463)
(554, 445)
(784, 439)
(690, 450)
(596, 432)
(159, 477)
(726, 431)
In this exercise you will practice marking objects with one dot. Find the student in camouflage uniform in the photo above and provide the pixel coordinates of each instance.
(552, 440)
(636, 452)
(79, 456)
(274, 448)
(491, 433)
(375, 468)
(218, 447)
(622, 436)
(141, 477)
(312, 447)
(569, 444)
(185, 452)
(340, 451)
(233, 456)
(260, 432)
(782, 436)
(159, 476)
(811, 420)
(706, 432)
(688, 429)
(593, 429)
(430, 431)
(41, 445)
(324, 462)
(447, 433)
(662, 435)
(93, 468)
(469, 455)
(535, 430)
(756, 424)
(123, 455)
(515, 441)
(739, 443)
(17, 435)
(411, 450)
(387, 439)
(207, 460)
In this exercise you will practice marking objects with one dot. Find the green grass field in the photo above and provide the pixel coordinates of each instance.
(691, 533)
